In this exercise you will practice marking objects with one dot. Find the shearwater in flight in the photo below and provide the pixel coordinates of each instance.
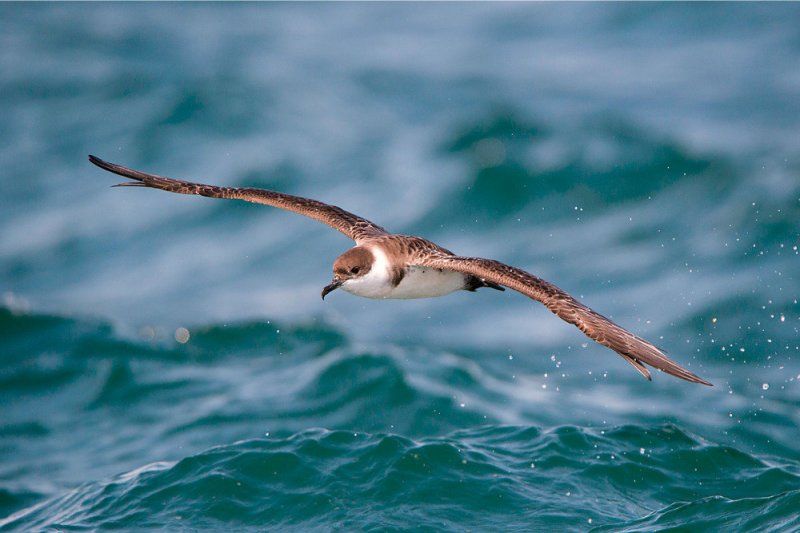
(384, 265)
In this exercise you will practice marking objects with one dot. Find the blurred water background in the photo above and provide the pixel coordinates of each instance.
(645, 158)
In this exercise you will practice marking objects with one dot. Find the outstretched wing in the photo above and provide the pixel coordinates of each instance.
(353, 226)
(635, 350)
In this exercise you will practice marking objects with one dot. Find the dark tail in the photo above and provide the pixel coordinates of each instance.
(474, 283)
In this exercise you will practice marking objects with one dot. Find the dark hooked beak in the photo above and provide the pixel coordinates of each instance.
(335, 284)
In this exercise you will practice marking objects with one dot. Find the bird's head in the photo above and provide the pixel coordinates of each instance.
(353, 264)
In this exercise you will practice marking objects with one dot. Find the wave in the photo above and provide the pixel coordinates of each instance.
(415, 435)
(492, 477)
(519, 166)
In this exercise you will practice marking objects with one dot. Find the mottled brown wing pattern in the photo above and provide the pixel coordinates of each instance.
(353, 226)
(597, 327)
(409, 246)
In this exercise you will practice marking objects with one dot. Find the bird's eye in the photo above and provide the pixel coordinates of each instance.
(354, 270)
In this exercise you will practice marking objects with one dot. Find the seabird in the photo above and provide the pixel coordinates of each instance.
(386, 265)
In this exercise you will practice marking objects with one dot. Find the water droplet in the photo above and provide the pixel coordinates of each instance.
(765, 386)
(182, 335)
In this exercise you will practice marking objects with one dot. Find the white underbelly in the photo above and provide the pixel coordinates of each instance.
(418, 282)
(423, 282)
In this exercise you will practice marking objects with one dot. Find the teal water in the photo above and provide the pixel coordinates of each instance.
(644, 158)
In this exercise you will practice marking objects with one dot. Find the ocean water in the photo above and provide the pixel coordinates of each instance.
(645, 158)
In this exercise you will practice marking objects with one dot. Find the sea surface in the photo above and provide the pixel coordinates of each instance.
(166, 362)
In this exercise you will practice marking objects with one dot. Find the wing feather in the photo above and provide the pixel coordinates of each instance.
(633, 349)
(353, 226)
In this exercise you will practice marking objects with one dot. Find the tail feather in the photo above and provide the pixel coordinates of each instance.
(474, 283)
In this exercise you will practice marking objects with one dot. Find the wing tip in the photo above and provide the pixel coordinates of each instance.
(702, 381)
(657, 358)
(688, 376)
(93, 159)
(673, 369)
(105, 165)
(122, 171)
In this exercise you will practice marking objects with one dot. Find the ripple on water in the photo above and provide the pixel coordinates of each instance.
(493, 476)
